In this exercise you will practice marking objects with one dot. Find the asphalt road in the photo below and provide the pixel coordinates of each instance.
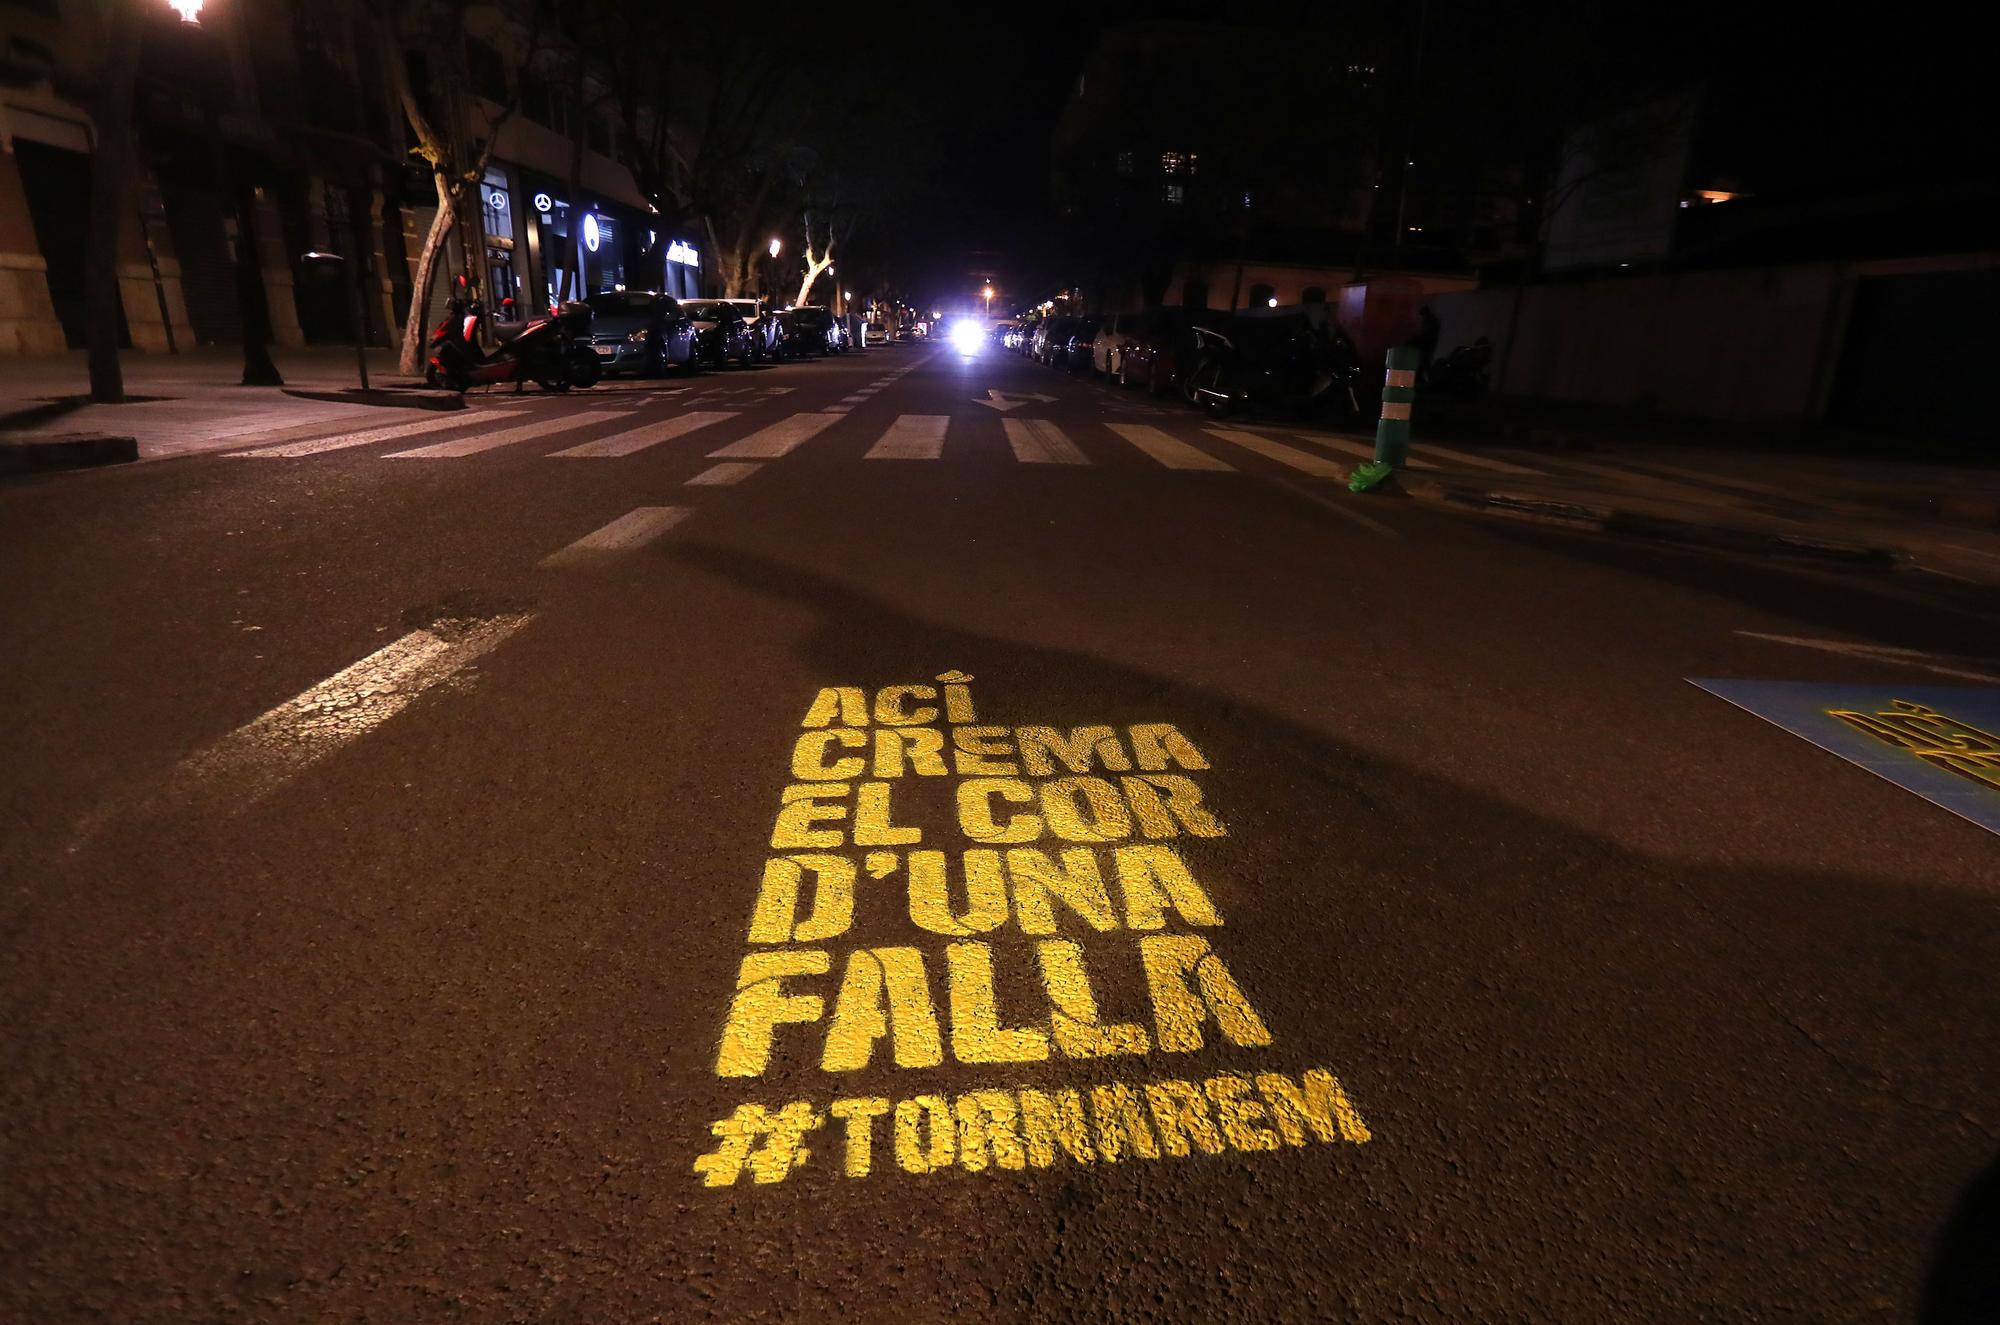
(406, 917)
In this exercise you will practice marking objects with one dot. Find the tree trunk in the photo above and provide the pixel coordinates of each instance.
(252, 301)
(110, 172)
(415, 331)
(815, 268)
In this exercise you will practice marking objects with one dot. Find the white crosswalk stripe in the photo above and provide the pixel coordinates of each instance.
(631, 530)
(1291, 456)
(1481, 461)
(1657, 486)
(651, 434)
(1359, 450)
(1169, 451)
(912, 437)
(489, 441)
(1041, 442)
(342, 441)
(781, 438)
(729, 471)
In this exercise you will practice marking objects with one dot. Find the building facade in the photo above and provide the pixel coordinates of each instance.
(272, 177)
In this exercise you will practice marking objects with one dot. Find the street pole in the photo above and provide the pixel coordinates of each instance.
(1392, 433)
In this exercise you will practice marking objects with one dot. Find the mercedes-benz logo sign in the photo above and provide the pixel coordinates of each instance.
(590, 232)
(544, 203)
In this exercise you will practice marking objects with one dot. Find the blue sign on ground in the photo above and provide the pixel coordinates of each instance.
(1942, 742)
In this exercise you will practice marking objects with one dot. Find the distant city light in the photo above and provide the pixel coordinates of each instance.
(1272, 302)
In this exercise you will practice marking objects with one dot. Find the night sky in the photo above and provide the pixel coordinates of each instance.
(1800, 102)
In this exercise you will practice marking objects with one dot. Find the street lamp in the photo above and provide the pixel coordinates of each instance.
(775, 246)
(988, 292)
(189, 10)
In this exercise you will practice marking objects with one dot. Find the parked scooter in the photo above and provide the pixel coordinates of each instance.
(546, 350)
(1460, 375)
(1314, 367)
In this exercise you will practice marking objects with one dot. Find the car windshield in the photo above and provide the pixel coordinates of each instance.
(710, 312)
(812, 317)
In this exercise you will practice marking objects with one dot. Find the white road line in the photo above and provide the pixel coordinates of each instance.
(1751, 485)
(1169, 451)
(638, 439)
(1285, 455)
(1359, 450)
(542, 427)
(1041, 442)
(911, 437)
(634, 529)
(341, 441)
(256, 758)
(1481, 461)
(1665, 487)
(780, 438)
(852, 400)
(729, 471)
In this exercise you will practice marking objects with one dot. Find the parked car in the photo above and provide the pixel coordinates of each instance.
(877, 334)
(817, 326)
(640, 331)
(797, 337)
(1155, 349)
(1052, 340)
(720, 337)
(1077, 346)
(1114, 333)
(761, 327)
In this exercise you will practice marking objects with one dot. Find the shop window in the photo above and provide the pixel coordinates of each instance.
(496, 209)
(1171, 163)
(1175, 194)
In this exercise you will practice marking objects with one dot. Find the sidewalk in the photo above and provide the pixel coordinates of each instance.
(184, 403)
(1931, 505)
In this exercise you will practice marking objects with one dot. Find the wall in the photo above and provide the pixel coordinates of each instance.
(1288, 282)
(1751, 345)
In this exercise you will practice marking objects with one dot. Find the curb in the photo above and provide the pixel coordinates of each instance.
(407, 397)
(66, 451)
(1633, 524)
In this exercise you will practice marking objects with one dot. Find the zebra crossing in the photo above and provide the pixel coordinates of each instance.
(905, 437)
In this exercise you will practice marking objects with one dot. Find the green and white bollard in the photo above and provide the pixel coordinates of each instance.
(1392, 434)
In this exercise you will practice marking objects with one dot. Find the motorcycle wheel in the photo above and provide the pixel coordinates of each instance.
(585, 372)
(1207, 373)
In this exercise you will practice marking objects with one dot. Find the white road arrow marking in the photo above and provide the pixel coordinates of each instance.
(1004, 400)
